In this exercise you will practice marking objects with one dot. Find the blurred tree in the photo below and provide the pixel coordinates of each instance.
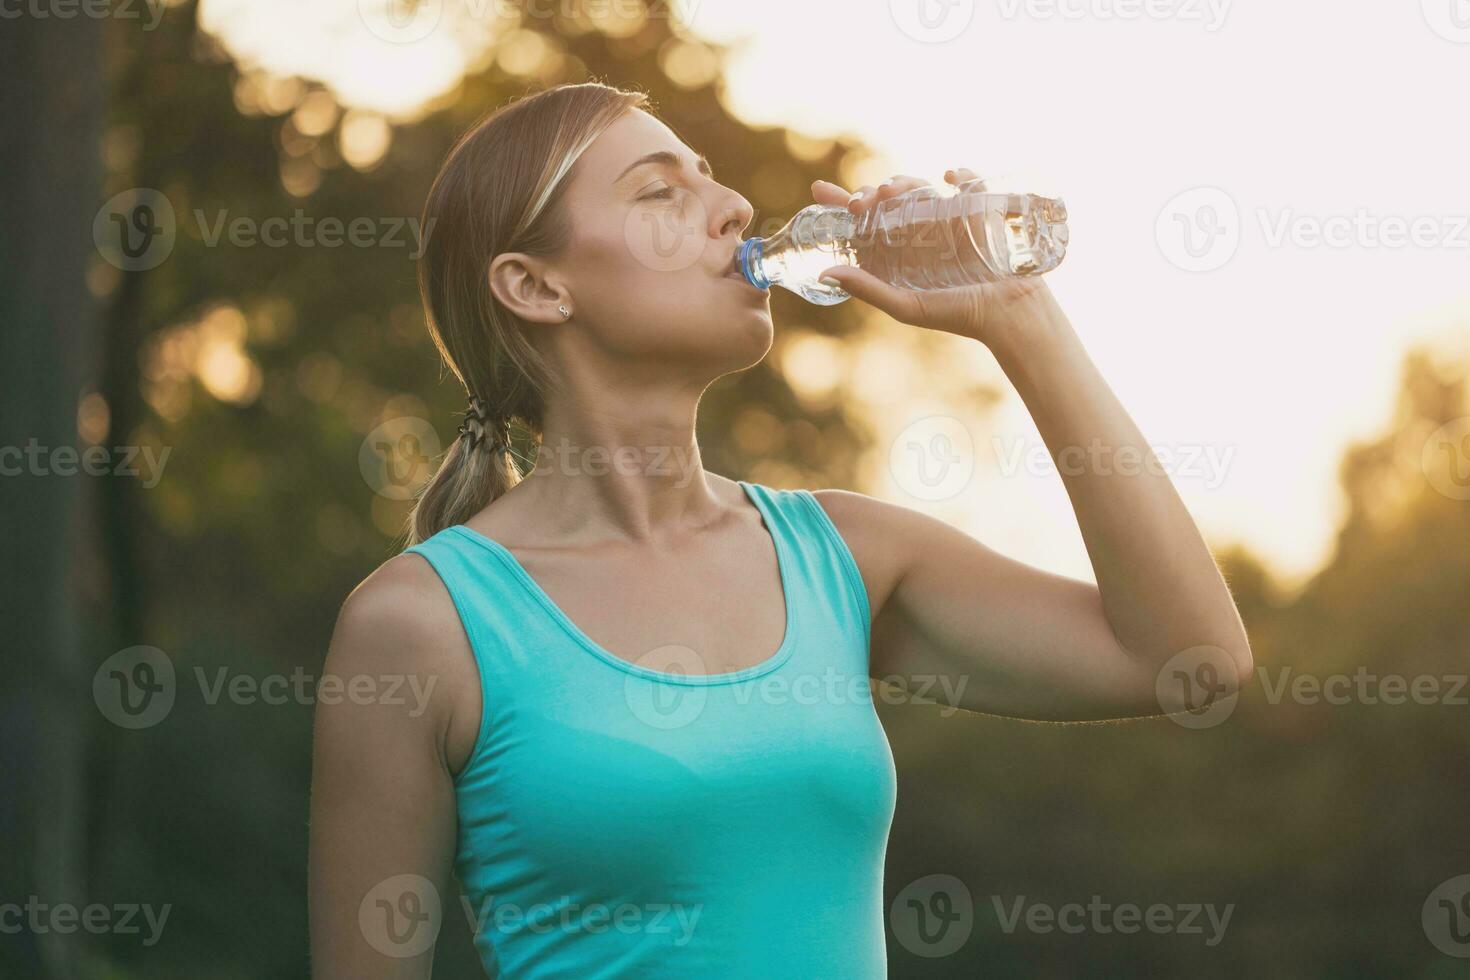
(51, 111)
(262, 370)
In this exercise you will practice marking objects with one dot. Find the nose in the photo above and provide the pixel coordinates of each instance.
(732, 214)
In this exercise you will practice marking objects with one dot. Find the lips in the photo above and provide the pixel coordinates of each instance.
(733, 270)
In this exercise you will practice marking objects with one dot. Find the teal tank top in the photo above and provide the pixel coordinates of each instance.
(622, 820)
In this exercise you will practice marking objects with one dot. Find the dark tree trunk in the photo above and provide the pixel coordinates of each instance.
(52, 113)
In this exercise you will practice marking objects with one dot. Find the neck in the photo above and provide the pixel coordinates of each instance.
(622, 464)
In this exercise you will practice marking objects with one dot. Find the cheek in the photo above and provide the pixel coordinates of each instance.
(653, 289)
(644, 270)
(667, 239)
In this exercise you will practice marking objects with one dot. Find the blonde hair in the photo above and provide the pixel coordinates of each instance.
(501, 189)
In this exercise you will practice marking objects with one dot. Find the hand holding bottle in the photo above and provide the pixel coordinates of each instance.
(987, 312)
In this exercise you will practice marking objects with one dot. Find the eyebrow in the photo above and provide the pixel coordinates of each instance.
(665, 158)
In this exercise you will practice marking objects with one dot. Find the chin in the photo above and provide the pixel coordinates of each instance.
(756, 334)
(735, 340)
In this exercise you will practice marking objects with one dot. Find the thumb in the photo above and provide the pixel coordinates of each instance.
(901, 304)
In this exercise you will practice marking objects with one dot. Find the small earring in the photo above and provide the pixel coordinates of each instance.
(566, 313)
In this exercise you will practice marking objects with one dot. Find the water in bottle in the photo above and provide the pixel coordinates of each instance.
(926, 238)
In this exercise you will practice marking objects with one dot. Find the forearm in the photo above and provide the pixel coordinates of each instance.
(1161, 590)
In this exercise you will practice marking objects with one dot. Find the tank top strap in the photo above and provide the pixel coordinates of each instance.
(505, 625)
(522, 641)
(485, 588)
(828, 579)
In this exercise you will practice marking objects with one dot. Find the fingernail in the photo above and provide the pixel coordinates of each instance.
(829, 281)
(855, 196)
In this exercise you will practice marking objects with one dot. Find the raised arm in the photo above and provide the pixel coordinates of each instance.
(1011, 639)
(388, 732)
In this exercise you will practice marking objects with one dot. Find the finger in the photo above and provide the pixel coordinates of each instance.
(899, 184)
(959, 175)
(901, 304)
(861, 198)
(826, 192)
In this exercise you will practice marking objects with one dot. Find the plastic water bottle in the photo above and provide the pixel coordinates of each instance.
(926, 238)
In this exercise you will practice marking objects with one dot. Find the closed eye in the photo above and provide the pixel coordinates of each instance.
(660, 194)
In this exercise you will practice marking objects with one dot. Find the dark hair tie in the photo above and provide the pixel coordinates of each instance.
(479, 423)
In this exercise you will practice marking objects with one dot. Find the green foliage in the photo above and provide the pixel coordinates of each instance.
(1325, 825)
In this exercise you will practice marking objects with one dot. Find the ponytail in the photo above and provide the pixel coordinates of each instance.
(467, 481)
(500, 190)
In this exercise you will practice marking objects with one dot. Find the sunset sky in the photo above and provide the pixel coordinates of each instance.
(1268, 203)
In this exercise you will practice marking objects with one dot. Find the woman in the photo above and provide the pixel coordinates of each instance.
(649, 747)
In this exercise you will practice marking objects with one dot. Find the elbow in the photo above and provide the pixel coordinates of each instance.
(1238, 649)
(1245, 662)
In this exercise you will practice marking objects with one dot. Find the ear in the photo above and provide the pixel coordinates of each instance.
(525, 285)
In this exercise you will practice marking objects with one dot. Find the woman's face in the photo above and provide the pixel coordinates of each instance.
(648, 266)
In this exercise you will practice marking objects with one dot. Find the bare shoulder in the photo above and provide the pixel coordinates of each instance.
(863, 518)
(402, 605)
(401, 621)
(884, 538)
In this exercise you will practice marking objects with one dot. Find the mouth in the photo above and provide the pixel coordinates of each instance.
(732, 268)
(733, 271)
